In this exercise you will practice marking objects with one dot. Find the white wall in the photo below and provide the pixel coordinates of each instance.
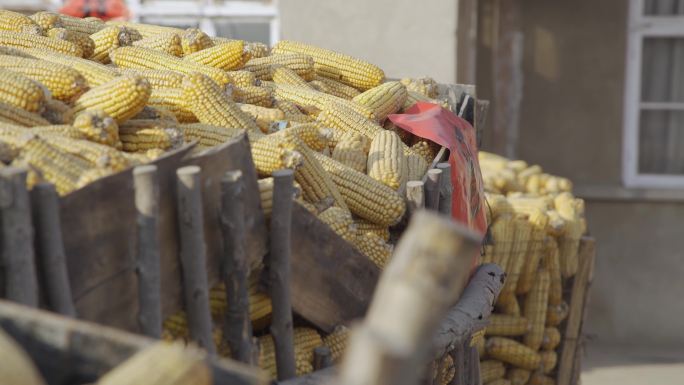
(403, 37)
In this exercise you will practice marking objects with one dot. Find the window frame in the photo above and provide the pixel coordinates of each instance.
(205, 11)
(641, 26)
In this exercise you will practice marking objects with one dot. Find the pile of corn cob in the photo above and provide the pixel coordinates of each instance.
(535, 225)
(82, 98)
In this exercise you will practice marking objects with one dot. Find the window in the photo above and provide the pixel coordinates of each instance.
(654, 95)
(253, 20)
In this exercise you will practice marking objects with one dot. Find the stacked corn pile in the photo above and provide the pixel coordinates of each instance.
(535, 224)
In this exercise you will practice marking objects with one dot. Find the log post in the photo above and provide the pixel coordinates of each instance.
(21, 280)
(193, 256)
(474, 366)
(279, 273)
(51, 256)
(426, 275)
(445, 188)
(458, 355)
(432, 185)
(322, 357)
(237, 326)
(415, 196)
(148, 269)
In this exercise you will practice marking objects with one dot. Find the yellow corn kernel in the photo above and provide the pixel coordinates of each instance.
(424, 86)
(283, 75)
(157, 78)
(18, 116)
(173, 101)
(271, 153)
(212, 106)
(340, 221)
(95, 73)
(413, 97)
(507, 325)
(337, 342)
(508, 304)
(424, 149)
(17, 22)
(81, 25)
(313, 135)
(536, 251)
(146, 58)
(548, 361)
(312, 99)
(375, 248)
(259, 96)
(259, 302)
(352, 150)
(345, 119)
(384, 99)
(64, 83)
(98, 126)
(301, 64)
(551, 339)
(146, 30)
(292, 112)
(305, 341)
(97, 155)
(223, 56)
(47, 20)
(344, 68)
(207, 135)
(557, 313)
(266, 194)
(242, 78)
(264, 117)
(518, 376)
(58, 130)
(491, 370)
(257, 49)
(121, 98)
(535, 309)
(512, 352)
(194, 40)
(540, 379)
(363, 226)
(107, 40)
(169, 43)
(20, 91)
(415, 164)
(502, 231)
(83, 41)
(336, 88)
(386, 160)
(136, 139)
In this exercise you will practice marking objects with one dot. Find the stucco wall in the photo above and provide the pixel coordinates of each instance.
(404, 37)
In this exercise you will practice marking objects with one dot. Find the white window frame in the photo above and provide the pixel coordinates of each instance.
(640, 27)
(206, 11)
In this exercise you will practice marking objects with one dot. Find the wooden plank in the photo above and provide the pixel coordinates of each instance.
(99, 225)
(332, 282)
(577, 305)
(71, 351)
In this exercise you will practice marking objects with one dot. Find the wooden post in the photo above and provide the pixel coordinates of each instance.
(279, 273)
(322, 357)
(458, 355)
(21, 281)
(148, 267)
(432, 185)
(193, 256)
(237, 328)
(51, 256)
(426, 275)
(415, 196)
(445, 189)
(473, 365)
(566, 365)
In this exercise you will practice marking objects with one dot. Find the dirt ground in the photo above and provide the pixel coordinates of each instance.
(632, 365)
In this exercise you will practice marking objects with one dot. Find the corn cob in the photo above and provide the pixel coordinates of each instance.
(99, 127)
(80, 25)
(264, 117)
(352, 150)
(502, 233)
(194, 40)
(500, 381)
(491, 370)
(413, 97)
(303, 65)
(224, 56)
(259, 96)
(518, 376)
(423, 148)
(20, 91)
(313, 135)
(365, 197)
(25, 40)
(107, 40)
(172, 100)
(551, 262)
(95, 73)
(94, 19)
(305, 341)
(375, 248)
(271, 154)
(337, 342)
(283, 75)
(522, 230)
(535, 309)
(386, 160)
(548, 361)
(157, 78)
(146, 30)
(97, 155)
(512, 352)
(444, 370)
(424, 86)
(384, 99)
(17, 22)
(344, 68)
(336, 88)
(345, 119)
(540, 379)
(508, 304)
(416, 165)
(84, 42)
(266, 194)
(556, 314)
(292, 113)
(121, 98)
(57, 112)
(507, 325)
(47, 20)
(551, 339)
(568, 244)
(63, 82)
(207, 135)
(206, 101)
(257, 49)
(137, 138)
(242, 78)
(18, 116)
(537, 249)
(363, 226)
(169, 43)
(340, 221)
(146, 58)
(478, 342)
(58, 130)
(318, 101)
(259, 302)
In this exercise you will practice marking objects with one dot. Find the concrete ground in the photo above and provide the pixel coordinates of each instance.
(629, 365)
